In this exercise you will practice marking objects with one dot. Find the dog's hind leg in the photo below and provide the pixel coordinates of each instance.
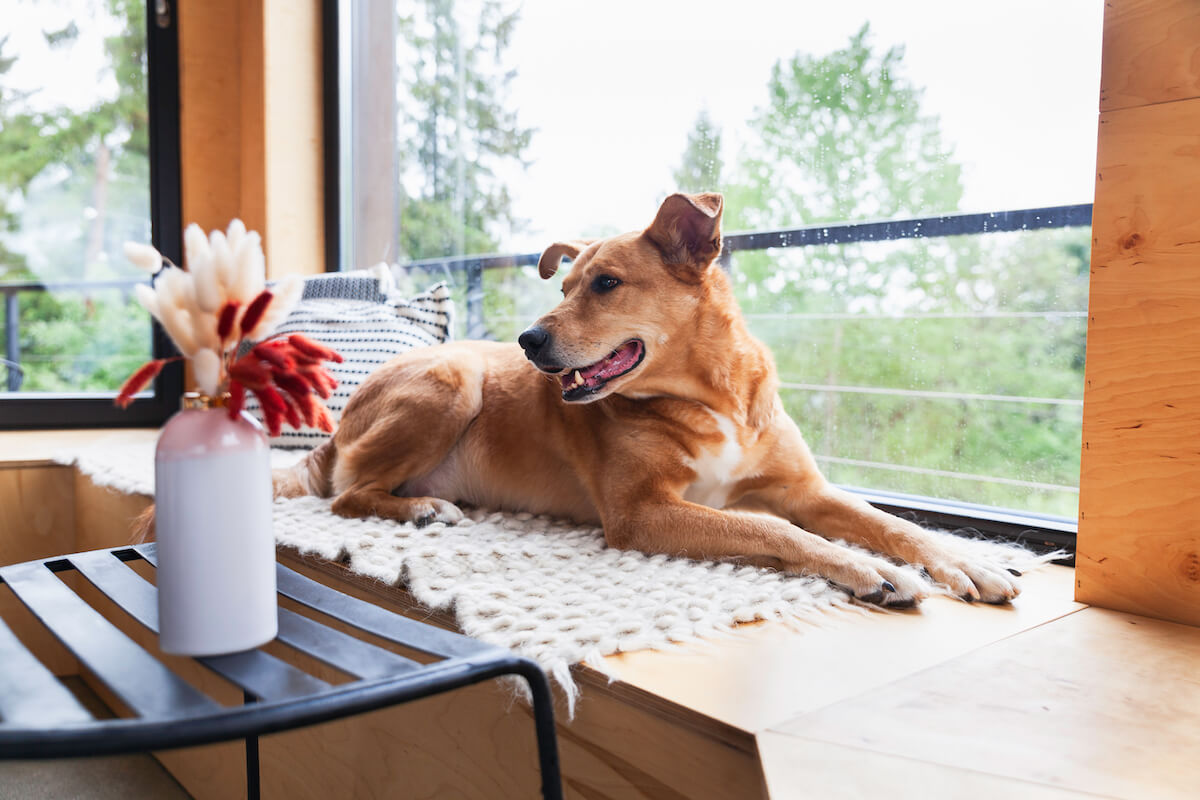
(399, 427)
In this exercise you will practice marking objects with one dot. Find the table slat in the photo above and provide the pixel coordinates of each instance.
(367, 616)
(341, 650)
(372, 618)
(30, 695)
(259, 673)
(143, 684)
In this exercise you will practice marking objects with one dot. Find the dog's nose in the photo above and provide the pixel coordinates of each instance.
(532, 340)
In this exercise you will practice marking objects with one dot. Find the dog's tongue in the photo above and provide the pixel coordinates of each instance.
(615, 363)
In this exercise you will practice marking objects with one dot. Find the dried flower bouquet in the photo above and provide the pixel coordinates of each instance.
(215, 305)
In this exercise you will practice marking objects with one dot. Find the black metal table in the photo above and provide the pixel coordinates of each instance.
(40, 718)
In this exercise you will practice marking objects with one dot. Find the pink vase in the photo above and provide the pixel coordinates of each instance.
(216, 549)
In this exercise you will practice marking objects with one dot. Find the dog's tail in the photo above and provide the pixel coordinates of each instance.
(313, 474)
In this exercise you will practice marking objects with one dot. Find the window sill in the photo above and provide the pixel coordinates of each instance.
(37, 448)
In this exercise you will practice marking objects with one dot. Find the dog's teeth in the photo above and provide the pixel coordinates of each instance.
(578, 379)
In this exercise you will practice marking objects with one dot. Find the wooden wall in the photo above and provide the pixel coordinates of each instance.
(251, 123)
(1139, 519)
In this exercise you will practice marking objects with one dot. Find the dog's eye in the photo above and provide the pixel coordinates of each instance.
(605, 283)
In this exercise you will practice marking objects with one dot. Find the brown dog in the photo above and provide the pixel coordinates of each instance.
(640, 402)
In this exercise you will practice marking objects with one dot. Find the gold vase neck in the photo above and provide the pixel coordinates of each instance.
(201, 400)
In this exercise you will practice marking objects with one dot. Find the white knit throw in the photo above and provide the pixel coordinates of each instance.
(547, 589)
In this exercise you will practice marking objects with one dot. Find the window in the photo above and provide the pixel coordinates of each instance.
(88, 160)
(935, 363)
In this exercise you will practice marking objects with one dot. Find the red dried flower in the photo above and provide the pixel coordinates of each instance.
(313, 350)
(255, 310)
(274, 354)
(138, 380)
(250, 371)
(237, 399)
(324, 420)
(225, 321)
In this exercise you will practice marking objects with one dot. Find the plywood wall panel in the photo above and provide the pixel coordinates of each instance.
(1139, 528)
(251, 111)
(1151, 52)
(37, 513)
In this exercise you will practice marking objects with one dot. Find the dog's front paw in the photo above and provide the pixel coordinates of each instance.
(875, 581)
(975, 579)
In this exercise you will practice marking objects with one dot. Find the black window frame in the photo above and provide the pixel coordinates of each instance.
(29, 410)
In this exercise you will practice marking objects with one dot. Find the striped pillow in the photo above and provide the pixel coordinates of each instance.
(360, 316)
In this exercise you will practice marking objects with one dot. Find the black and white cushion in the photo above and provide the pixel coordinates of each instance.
(362, 317)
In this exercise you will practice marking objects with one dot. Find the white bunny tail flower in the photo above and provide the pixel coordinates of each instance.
(206, 369)
(147, 299)
(175, 288)
(178, 325)
(195, 245)
(234, 233)
(209, 294)
(144, 257)
(204, 330)
(251, 269)
(286, 293)
(222, 258)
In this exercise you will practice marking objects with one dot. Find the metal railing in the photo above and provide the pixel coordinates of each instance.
(12, 291)
(472, 267)
(1026, 219)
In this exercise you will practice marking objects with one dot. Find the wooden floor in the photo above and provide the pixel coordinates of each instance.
(1044, 698)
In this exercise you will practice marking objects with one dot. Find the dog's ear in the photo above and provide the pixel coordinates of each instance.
(688, 228)
(553, 255)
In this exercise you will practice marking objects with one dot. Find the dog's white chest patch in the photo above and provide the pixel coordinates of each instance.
(715, 468)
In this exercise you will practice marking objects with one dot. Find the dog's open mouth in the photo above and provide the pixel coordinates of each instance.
(583, 381)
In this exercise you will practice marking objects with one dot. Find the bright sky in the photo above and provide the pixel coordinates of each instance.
(614, 88)
(68, 75)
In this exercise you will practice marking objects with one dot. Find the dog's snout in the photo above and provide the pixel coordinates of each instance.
(533, 339)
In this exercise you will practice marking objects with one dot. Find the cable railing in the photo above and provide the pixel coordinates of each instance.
(472, 268)
(12, 291)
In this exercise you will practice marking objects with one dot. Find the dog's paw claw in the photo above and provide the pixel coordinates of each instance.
(425, 519)
(887, 587)
(1012, 571)
(975, 580)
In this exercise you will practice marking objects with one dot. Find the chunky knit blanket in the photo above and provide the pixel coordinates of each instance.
(547, 589)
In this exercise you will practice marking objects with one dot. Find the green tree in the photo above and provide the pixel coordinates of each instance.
(460, 129)
(843, 137)
(700, 170)
(54, 161)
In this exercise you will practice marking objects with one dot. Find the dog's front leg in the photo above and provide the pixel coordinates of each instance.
(838, 514)
(679, 528)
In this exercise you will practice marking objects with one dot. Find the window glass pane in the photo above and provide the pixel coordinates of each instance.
(74, 186)
(950, 367)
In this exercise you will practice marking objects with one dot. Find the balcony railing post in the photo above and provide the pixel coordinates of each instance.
(475, 326)
(12, 345)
